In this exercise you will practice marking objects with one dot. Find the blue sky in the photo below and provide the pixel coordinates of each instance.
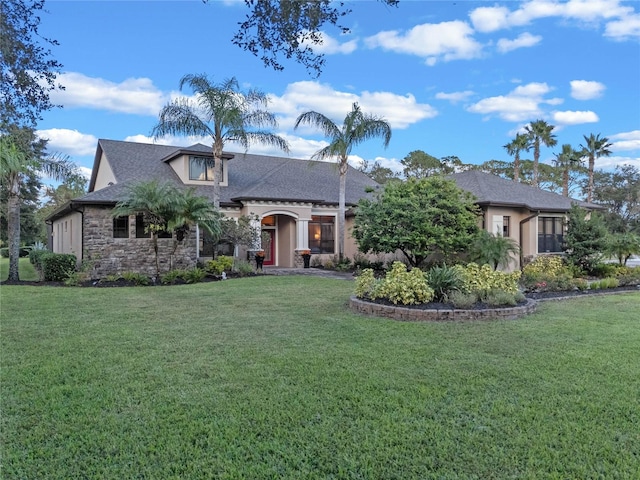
(451, 77)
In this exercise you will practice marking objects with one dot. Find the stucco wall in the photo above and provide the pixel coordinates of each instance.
(66, 235)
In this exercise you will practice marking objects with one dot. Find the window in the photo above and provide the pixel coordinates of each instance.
(550, 234)
(201, 168)
(505, 226)
(321, 236)
(121, 227)
(140, 229)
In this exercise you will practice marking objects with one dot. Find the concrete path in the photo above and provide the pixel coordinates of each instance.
(318, 272)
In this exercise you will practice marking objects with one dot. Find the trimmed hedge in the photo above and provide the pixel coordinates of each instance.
(56, 267)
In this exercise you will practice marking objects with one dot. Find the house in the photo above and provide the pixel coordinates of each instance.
(296, 202)
(534, 218)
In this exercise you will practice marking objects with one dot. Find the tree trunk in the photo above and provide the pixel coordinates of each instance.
(516, 168)
(565, 181)
(217, 171)
(536, 157)
(13, 233)
(342, 208)
(592, 164)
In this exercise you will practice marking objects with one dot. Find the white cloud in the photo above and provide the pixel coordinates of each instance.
(331, 46)
(399, 110)
(173, 140)
(574, 118)
(586, 90)
(455, 97)
(444, 41)
(625, 141)
(624, 28)
(70, 142)
(85, 172)
(621, 21)
(520, 105)
(134, 95)
(609, 163)
(522, 41)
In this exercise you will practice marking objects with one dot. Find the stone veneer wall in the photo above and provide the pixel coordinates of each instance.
(108, 255)
(417, 315)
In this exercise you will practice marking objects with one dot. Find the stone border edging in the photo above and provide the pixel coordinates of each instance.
(405, 314)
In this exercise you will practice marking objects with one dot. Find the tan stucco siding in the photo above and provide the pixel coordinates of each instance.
(180, 165)
(105, 174)
(67, 235)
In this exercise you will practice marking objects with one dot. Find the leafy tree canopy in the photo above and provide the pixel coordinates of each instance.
(619, 191)
(586, 239)
(418, 164)
(290, 28)
(378, 173)
(418, 217)
(27, 71)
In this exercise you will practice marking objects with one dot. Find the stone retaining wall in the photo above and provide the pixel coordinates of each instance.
(406, 314)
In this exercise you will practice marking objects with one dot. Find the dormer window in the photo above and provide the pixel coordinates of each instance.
(201, 168)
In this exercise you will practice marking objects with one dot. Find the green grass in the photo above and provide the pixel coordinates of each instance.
(26, 271)
(272, 377)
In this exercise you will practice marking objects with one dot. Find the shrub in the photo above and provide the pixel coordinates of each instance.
(481, 280)
(407, 288)
(398, 286)
(443, 280)
(35, 258)
(462, 300)
(221, 264)
(604, 270)
(629, 276)
(608, 283)
(4, 252)
(581, 284)
(136, 278)
(499, 298)
(57, 267)
(194, 275)
(243, 267)
(547, 273)
(172, 277)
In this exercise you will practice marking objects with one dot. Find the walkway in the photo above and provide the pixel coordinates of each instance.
(317, 272)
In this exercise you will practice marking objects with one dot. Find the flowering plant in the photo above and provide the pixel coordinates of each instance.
(305, 252)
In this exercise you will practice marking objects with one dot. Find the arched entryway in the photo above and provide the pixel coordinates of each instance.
(278, 238)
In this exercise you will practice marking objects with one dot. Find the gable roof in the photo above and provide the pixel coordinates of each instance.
(491, 190)
(251, 177)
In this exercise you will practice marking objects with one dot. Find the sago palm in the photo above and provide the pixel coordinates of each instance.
(222, 112)
(539, 132)
(594, 148)
(517, 145)
(356, 128)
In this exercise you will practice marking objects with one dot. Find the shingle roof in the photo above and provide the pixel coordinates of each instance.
(493, 190)
(259, 177)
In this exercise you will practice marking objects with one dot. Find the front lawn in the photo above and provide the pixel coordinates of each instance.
(26, 272)
(272, 377)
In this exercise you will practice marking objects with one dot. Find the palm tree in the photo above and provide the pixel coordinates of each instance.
(494, 250)
(356, 128)
(595, 147)
(539, 132)
(223, 113)
(517, 145)
(567, 160)
(15, 166)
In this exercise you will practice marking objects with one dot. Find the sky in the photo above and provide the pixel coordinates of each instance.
(451, 77)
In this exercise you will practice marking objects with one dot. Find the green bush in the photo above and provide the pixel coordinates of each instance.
(172, 277)
(581, 284)
(35, 258)
(243, 267)
(547, 273)
(629, 276)
(499, 298)
(398, 286)
(194, 275)
(221, 264)
(443, 280)
(482, 280)
(57, 267)
(604, 270)
(136, 278)
(605, 283)
(462, 300)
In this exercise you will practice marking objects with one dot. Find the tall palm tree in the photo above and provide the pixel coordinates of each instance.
(567, 160)
(15, 166)
(517, 145)
(356, 128)
(539, 132)
(595, 148)
(222, 112)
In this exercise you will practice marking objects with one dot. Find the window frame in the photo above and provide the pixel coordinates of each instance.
(322, 225)
(554, 237)
(121, 227)
(209, 171)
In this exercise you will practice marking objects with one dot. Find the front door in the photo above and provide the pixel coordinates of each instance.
(270, 247)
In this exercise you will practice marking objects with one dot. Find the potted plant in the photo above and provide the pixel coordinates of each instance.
(259, 259)
(306, 257)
